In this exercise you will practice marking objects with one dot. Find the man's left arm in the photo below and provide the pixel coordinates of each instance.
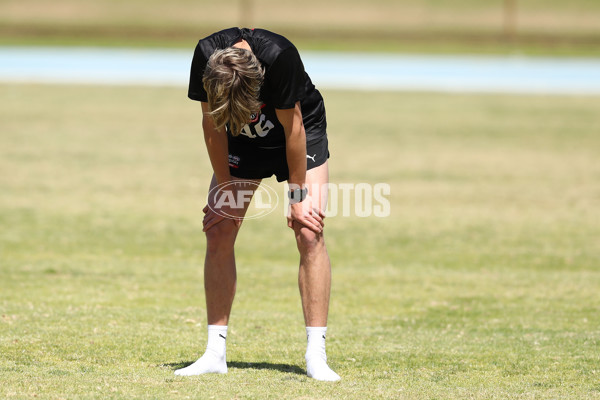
(295, 147)
(295, 143)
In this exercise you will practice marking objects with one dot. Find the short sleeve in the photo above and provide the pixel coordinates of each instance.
(196, 88)
(285, 79)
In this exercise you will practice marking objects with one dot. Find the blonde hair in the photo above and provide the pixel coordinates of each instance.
(232, 80)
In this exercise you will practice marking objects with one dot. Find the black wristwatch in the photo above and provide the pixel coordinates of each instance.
(297, 195)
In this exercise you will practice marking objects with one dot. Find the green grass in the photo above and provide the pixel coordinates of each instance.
(483, 282)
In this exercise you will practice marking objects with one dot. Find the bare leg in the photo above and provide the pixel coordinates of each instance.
(314, 276)
(219, 263)
(219, 287)
(220, 272)
(314, 280)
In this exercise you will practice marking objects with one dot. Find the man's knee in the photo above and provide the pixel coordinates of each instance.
(221, 236)
(308, 240)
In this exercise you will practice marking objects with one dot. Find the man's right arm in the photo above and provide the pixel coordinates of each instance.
(218, 152)
(216, 145)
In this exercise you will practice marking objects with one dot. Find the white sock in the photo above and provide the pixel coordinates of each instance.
(316, 358)
(213, 360)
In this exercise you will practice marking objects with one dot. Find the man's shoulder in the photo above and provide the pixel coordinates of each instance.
(269, 46)
(220, 40)
(276, 39)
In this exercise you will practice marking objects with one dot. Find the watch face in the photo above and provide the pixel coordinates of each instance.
(297, 195)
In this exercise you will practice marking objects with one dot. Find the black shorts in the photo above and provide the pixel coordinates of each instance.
(249, 162)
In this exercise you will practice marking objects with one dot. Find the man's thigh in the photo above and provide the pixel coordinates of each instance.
(317, 180)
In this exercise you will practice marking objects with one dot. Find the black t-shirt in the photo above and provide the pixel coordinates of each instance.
(285, 83)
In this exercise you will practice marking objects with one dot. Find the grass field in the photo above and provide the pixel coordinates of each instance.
(483, 283)
(472, 26)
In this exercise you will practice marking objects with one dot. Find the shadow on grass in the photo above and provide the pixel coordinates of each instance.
(294, 369)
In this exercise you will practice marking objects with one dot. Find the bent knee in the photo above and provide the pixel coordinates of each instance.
(308, 240)
(222, 234)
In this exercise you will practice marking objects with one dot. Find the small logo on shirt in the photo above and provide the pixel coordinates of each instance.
(234, 161)
(254, 116)
(258, 126)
